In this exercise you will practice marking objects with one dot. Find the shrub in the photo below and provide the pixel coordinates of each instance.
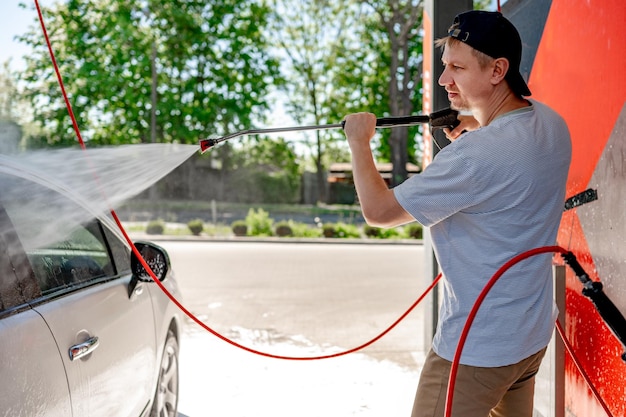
(413, 231)
(196, 226)
(239, 227)
(259, 223)
(340, 230)
(283, 229)
(305, 230)
(312, 232)
(391, 233)
(344, 230)
(328, 230)
(371, 231)
(155, 227)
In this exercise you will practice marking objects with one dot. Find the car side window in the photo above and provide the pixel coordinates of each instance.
(17, 282)
(64, 243)
(79, 257)
(119, 251)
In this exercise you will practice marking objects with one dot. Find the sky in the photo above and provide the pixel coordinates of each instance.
(15, 20)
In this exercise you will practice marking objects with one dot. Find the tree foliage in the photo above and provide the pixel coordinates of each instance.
(400, 27)
(207, 60)
(312, 37)
(352, 56)
(176, 71)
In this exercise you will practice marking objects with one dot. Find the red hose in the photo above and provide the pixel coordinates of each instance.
(470, 318)
(474, 311)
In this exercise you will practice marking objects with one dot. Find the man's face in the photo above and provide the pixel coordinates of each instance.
(467, 84)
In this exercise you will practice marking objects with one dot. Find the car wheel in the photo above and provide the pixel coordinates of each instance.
(165, 402)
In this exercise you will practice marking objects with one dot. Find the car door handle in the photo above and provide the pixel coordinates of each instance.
(84, 348)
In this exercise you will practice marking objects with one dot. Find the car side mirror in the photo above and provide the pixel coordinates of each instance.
(155, 256)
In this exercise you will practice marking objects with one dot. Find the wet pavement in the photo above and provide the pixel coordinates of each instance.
(299, 300)
(303, 300)
(220, 380)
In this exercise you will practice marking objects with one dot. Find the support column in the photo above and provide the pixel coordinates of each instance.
(438, 17)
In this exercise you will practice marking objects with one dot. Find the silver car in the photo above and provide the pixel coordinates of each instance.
(84, 330)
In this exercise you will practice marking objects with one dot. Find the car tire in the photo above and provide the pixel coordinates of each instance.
(165, 402)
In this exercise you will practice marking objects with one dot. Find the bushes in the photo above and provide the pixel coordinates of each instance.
(409, 231)
(414, 231)
(196, 226)
(259, 223)
(283, 229)
(239, 227)
(380, 233)
(155, 227)
(341, 230)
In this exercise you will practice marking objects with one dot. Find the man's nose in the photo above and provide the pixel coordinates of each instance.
(444, 78)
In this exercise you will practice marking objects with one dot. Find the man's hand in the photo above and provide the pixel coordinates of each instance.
(359, 128)
(378, 203)
(468, 123)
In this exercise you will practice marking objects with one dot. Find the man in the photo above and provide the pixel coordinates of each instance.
(494, 192)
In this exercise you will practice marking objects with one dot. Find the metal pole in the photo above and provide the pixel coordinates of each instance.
(438, 17)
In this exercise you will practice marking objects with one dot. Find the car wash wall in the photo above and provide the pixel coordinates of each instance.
(575, 55)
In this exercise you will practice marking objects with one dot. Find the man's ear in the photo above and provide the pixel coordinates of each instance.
(500, 68)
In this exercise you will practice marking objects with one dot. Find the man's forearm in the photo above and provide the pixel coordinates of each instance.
(378, 203)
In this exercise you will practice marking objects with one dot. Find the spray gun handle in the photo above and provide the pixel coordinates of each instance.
(446, 118)
(437, 120)
(394, 121)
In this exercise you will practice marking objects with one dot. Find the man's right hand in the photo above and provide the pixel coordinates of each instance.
(468, 123)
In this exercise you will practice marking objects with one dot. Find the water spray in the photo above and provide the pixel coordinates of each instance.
(441, 119)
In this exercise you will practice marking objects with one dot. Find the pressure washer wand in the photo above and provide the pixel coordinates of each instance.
(437, 120)
(593, 290)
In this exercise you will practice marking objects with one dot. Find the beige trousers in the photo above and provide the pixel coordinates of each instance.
(506, 391)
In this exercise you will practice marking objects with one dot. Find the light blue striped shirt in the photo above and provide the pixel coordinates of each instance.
(490, 195)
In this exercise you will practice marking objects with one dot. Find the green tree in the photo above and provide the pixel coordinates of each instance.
(151, 70)
(312, 37)
(351, 56)
(400, 26)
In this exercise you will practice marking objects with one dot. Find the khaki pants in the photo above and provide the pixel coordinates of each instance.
(506, 391)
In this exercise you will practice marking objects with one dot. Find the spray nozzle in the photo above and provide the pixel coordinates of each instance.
(205, 144)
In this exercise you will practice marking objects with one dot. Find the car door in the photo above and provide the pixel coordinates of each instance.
(105, 334)
(32, 375)
(114, 378)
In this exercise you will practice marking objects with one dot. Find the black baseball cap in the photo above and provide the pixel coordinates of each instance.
(493, 34)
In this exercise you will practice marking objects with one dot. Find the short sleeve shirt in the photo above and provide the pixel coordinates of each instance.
(488, 196)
